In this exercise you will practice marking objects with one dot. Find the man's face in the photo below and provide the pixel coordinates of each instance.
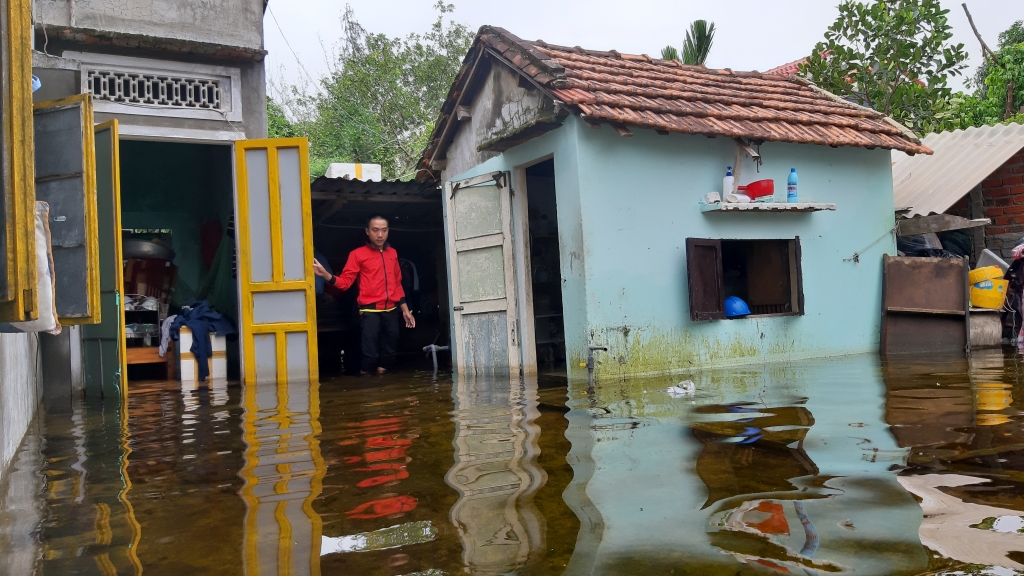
(377, 232)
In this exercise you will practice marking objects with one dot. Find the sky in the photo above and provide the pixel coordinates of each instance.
(751, 34)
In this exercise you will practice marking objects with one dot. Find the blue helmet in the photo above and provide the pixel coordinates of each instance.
(735, 307)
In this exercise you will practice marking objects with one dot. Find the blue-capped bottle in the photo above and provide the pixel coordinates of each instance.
(791, 194)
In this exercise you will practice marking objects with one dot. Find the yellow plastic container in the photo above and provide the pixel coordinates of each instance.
(989, 294)
(982, 274)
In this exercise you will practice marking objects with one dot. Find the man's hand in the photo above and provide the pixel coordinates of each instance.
(410, 320)
(319, 270)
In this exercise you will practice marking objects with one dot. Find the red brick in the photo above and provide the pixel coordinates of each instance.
(1001, 191)
(1003, 201)
(993, 212)
(1013, 210)
(1010, 181)
(1001, 220)
(990, 231)
(991, 183)
(1018, 169)
(1016, 189)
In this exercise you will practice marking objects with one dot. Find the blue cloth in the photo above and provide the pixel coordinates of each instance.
(327, 266)
(201, 319)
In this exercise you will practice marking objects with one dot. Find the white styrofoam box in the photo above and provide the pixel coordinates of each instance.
(188, 369)
(364, 172)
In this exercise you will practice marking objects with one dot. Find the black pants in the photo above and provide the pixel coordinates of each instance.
(380, 339)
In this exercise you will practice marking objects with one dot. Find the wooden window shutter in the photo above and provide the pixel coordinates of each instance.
(798, 274)
(704, 275)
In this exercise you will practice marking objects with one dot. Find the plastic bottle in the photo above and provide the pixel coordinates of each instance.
(791, 194)
(727, 183)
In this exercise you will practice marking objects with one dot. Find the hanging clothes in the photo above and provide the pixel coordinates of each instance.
(201, 319)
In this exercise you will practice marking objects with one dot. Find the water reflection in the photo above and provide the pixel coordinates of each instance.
(845, 465)
(786, 468)
(496, 474)
(283, 474)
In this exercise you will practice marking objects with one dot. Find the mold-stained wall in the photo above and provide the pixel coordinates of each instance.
(225, 22)
(626, 207)
(639, 202)
(501, 108)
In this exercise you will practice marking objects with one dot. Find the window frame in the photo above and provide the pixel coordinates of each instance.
(18, 274)
(703, 303)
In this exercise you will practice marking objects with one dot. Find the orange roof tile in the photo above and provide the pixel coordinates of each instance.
(665, 95)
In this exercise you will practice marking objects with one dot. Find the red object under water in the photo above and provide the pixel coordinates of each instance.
(385, 507)
(400, 473)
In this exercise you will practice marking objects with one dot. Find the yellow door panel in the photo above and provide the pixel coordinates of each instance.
(275, 250)
(18, 301)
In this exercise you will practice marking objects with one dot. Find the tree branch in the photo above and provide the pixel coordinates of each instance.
(985, 50)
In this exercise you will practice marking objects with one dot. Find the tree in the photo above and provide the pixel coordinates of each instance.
(696, 45)
(380, 98)
(999, 86)
(891, 55)
(698, 42)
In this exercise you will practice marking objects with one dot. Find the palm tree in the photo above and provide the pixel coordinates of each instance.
(669, 53)
(698, 42)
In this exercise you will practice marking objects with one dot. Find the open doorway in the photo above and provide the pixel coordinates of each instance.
(545, 268)
(341, 209)
(177, 219)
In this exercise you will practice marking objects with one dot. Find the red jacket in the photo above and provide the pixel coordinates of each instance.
(380, 277)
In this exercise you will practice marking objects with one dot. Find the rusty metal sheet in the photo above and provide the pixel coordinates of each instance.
(924, 306)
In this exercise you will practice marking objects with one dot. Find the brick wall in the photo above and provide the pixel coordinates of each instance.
(1003, 196)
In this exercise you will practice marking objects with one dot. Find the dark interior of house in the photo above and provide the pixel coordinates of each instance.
(762, 273)
(549, 326)
(341, 209)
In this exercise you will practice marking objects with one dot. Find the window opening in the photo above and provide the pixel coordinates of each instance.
(155, 90)
(549, 326)
(765, 274)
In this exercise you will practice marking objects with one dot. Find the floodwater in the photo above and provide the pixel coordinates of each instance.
(849, 465)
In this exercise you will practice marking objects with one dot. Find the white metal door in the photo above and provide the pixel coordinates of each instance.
(484, 308)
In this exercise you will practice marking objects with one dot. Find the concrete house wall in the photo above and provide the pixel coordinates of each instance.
(221, 39)
(626, 207)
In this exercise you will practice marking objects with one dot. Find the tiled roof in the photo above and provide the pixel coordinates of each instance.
(786, 69)
(665, 95)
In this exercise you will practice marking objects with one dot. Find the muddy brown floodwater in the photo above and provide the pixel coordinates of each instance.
(847, 465)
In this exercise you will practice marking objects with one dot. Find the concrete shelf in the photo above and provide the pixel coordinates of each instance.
(767, 207)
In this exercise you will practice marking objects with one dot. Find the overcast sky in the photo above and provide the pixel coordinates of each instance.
(751, 34)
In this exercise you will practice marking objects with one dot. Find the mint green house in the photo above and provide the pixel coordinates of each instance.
(574, 188)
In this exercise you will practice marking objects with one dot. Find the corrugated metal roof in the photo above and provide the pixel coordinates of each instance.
(962, 159)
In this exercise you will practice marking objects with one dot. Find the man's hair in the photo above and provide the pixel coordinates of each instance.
(375, 217)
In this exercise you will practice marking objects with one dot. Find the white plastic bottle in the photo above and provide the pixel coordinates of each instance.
(727, 183)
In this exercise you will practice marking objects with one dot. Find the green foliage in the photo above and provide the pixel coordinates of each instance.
(278, 125)
(698, 42)
(987, 105)
(696, 45)
(890, 55)
(1012, 35)
(380, 99)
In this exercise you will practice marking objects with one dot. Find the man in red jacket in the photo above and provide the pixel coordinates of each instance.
(376, 267)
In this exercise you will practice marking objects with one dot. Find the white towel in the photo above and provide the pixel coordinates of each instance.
(165, 334)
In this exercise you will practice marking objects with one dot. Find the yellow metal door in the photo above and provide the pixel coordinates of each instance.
(275, 260)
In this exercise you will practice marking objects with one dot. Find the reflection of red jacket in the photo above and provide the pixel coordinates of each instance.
(380, 277)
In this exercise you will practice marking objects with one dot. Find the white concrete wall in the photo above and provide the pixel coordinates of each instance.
(20, 392)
